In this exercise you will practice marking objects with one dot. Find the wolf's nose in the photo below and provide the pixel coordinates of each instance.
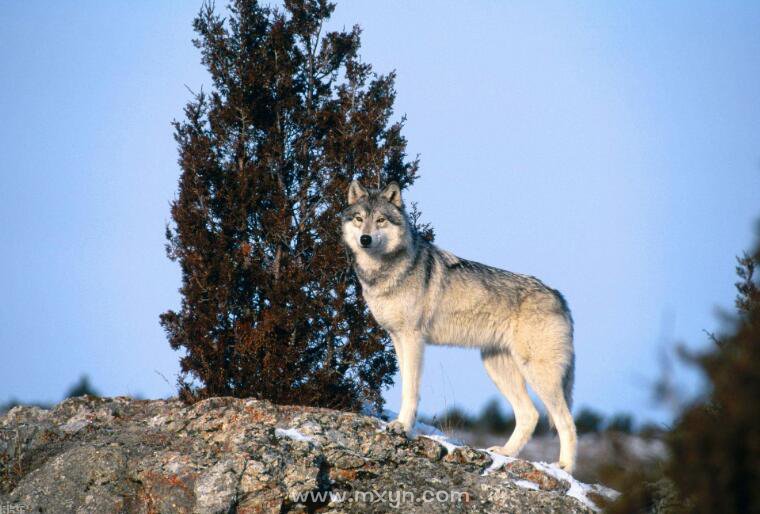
(365, 240)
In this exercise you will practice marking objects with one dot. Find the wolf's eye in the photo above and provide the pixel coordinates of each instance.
(358, 218)
(381, 220)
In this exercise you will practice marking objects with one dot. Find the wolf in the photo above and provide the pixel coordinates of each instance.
(421, 295)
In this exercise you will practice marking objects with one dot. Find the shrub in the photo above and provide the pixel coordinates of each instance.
(588, 421)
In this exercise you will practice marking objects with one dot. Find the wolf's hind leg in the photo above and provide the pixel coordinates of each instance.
(504, 372)
(546, 380)
(399, 348)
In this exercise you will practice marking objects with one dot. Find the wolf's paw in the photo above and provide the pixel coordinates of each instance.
(568, 467)
(502, 451)
(397, 427)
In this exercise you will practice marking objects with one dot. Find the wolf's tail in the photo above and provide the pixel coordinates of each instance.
(567, 381)
(569, 377)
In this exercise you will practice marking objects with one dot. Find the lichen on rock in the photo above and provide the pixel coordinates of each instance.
(226, 455)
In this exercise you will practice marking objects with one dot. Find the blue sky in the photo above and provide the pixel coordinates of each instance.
(612, 150)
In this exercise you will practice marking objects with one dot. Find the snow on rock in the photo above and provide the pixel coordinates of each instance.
(527, 484)
(577, 490)
(498, 461)
(443, 441)
(293, 433)
(228, 454)
(574, 489)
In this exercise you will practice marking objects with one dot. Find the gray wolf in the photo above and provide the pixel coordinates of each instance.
(423, 295)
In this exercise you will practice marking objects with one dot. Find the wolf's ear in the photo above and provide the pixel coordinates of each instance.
(356, 192)
(392, 193)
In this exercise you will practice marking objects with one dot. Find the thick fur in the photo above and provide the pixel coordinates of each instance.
(421, 294)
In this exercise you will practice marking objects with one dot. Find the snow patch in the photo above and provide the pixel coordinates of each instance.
(294, 434)
(443, 441)
(497, 461)
(419, 428)
(526, 484)
(578, 490)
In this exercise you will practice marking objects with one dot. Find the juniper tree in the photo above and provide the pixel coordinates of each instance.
(270, 307)
(715, 444)
(713, 458)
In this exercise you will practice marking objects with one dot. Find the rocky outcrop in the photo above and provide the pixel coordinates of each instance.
(226, 455)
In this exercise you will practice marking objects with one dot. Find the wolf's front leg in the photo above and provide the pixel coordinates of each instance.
(412, 349)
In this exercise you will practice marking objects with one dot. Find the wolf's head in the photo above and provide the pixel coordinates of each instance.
(375, 221)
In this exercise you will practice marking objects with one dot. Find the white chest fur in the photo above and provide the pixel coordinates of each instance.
(394, 311)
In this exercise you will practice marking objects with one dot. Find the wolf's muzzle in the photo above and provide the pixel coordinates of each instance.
(365, 240)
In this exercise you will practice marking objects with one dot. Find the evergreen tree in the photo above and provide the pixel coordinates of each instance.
(713, 462)
(493, 420)
(82, 388)
(715, 445)
(588, 421)
(270, 307)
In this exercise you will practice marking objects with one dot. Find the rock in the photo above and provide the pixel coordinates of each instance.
(522, 470)
(429, 448)
(226, 455)
(475, 460)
